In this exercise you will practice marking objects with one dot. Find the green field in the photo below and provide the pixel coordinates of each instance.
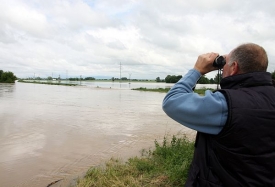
(165, 90)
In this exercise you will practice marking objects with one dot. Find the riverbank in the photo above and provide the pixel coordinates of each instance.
(163, 90)
(166, 165)
(200, 91)
(49, 83)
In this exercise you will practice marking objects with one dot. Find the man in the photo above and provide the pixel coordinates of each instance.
(235, 143)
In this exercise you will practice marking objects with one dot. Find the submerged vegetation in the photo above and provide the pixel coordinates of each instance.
(167, 165)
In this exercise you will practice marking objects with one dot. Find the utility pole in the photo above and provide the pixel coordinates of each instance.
(120, 73)
(130, 78)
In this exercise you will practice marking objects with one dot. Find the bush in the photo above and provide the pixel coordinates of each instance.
(7, 77)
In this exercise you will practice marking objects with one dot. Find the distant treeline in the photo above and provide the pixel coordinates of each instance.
(203, 79)
(7, 77)
(176, 78)
(81, 79)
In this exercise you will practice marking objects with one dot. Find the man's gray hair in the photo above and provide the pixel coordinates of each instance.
(250, 58)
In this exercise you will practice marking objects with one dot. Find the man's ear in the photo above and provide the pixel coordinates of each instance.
(234, 68)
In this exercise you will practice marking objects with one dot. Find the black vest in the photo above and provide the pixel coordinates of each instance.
(243, 153)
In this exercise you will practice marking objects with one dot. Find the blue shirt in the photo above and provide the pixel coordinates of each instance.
(207, 114)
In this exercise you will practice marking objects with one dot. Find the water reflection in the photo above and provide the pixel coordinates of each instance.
(49, 132)
(6, 89)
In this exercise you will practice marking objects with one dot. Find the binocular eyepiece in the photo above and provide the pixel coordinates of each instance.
(219, 62)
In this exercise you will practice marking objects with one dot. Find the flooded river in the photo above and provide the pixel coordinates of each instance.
(50, 132)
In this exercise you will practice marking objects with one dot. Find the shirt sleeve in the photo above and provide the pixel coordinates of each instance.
(207, 114)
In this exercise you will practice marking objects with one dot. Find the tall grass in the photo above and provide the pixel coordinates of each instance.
(165, 166)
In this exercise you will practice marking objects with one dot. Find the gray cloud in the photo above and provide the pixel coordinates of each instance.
(150, 38)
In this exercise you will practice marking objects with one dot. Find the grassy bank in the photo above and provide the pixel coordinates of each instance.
(165, 90)
(49, 83)
(165, 166)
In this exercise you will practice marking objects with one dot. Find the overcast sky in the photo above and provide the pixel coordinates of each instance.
(150, 38)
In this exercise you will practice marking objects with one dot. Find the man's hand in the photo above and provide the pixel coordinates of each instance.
(204, 63)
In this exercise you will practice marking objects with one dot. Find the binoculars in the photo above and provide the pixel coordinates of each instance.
(219, 62)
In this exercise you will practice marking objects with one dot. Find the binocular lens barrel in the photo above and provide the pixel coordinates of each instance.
(219, 62)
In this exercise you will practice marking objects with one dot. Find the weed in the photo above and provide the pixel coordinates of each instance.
(165, 166)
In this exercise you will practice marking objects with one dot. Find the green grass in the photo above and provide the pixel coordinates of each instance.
(49, 83)
(165, 90)
(202, 90)
(165, 166)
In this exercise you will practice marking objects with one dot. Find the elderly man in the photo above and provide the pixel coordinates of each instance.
(235, 143)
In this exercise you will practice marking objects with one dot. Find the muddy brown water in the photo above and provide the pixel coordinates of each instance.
(50, 133)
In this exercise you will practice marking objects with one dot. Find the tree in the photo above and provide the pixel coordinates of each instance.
(7, 77)
(217, 78)
(89, 78)
(203, 80)
(167, 78)
(212, 81)
(172, 79)
(158, 79)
